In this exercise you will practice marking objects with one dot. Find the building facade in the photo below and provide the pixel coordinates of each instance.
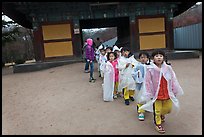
(58, 25)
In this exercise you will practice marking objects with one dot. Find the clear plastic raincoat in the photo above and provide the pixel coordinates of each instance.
(152, 82)
(108, 81)
(125, 74)
(138, 75)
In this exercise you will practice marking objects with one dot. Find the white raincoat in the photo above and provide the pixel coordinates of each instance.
(152, 82)
(102, 61)
(139, 75)
(108, 81)
(125, 74)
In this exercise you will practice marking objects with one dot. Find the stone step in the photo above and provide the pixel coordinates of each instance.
(41, 65)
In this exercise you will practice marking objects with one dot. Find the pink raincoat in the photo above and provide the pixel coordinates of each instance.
(115, 66)
(152, 82)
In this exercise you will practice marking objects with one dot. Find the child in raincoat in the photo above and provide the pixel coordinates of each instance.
(110, 83)
(121, 58)
(102, 61)
(127, 83)
(90, 55)
(117, 51)
(162, 89)
(138, 75)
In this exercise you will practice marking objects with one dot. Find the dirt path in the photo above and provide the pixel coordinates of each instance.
(61, 101)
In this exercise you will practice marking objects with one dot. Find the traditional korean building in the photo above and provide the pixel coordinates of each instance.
(57, 26)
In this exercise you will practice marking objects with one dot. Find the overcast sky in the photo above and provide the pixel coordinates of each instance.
(6, 18)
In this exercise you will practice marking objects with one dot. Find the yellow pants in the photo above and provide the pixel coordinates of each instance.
(115, 88)
(141, 110)
(128, 93)
(161, 107)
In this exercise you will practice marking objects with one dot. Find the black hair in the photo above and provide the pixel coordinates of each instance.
(108, 55)
(122, 49)
(148, 56)
(130, 54)
(94, 45)
(109, 48)
(144, 53)
(127, 49)
(159, 51)
(116, 51)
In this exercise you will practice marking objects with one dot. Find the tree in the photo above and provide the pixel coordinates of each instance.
(9, 32)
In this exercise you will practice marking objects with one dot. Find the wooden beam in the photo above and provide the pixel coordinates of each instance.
(104, 3)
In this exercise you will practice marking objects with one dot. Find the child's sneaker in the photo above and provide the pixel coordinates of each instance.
(159, 128)
(141, 116)
(86, 71)
(132, 99)
(127, 102)
(93, 80)
(115, 96)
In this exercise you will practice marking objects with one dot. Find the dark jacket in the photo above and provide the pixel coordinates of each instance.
(90, 53)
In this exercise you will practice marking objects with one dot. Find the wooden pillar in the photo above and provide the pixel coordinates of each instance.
(134, 37)
(170, 35)
(37, 45)
(76, 40)
(77, 45)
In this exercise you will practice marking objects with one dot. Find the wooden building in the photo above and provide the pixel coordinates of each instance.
(58, 25)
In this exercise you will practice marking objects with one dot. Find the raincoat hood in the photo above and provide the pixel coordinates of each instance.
(89, 42)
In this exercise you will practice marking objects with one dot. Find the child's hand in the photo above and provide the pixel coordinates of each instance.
(127, 65)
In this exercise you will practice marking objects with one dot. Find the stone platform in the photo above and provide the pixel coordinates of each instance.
(171, 55)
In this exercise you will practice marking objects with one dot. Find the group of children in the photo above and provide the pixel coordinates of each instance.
(151, 82)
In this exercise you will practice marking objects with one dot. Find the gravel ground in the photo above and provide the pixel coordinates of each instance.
(61, 101)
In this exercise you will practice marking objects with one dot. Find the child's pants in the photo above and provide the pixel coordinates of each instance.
(86, 65)
(161, 107)
(128, 93)
(115, 88)
(141, 110)
(91, 69)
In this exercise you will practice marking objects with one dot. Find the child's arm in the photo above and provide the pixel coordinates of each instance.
(134, 62)
(127, 65)
(88, 54)
(135, 73)
(121, 65)
(176, 88)
(102, 67)
(105, 67)
(100, 59)
(148, 85)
